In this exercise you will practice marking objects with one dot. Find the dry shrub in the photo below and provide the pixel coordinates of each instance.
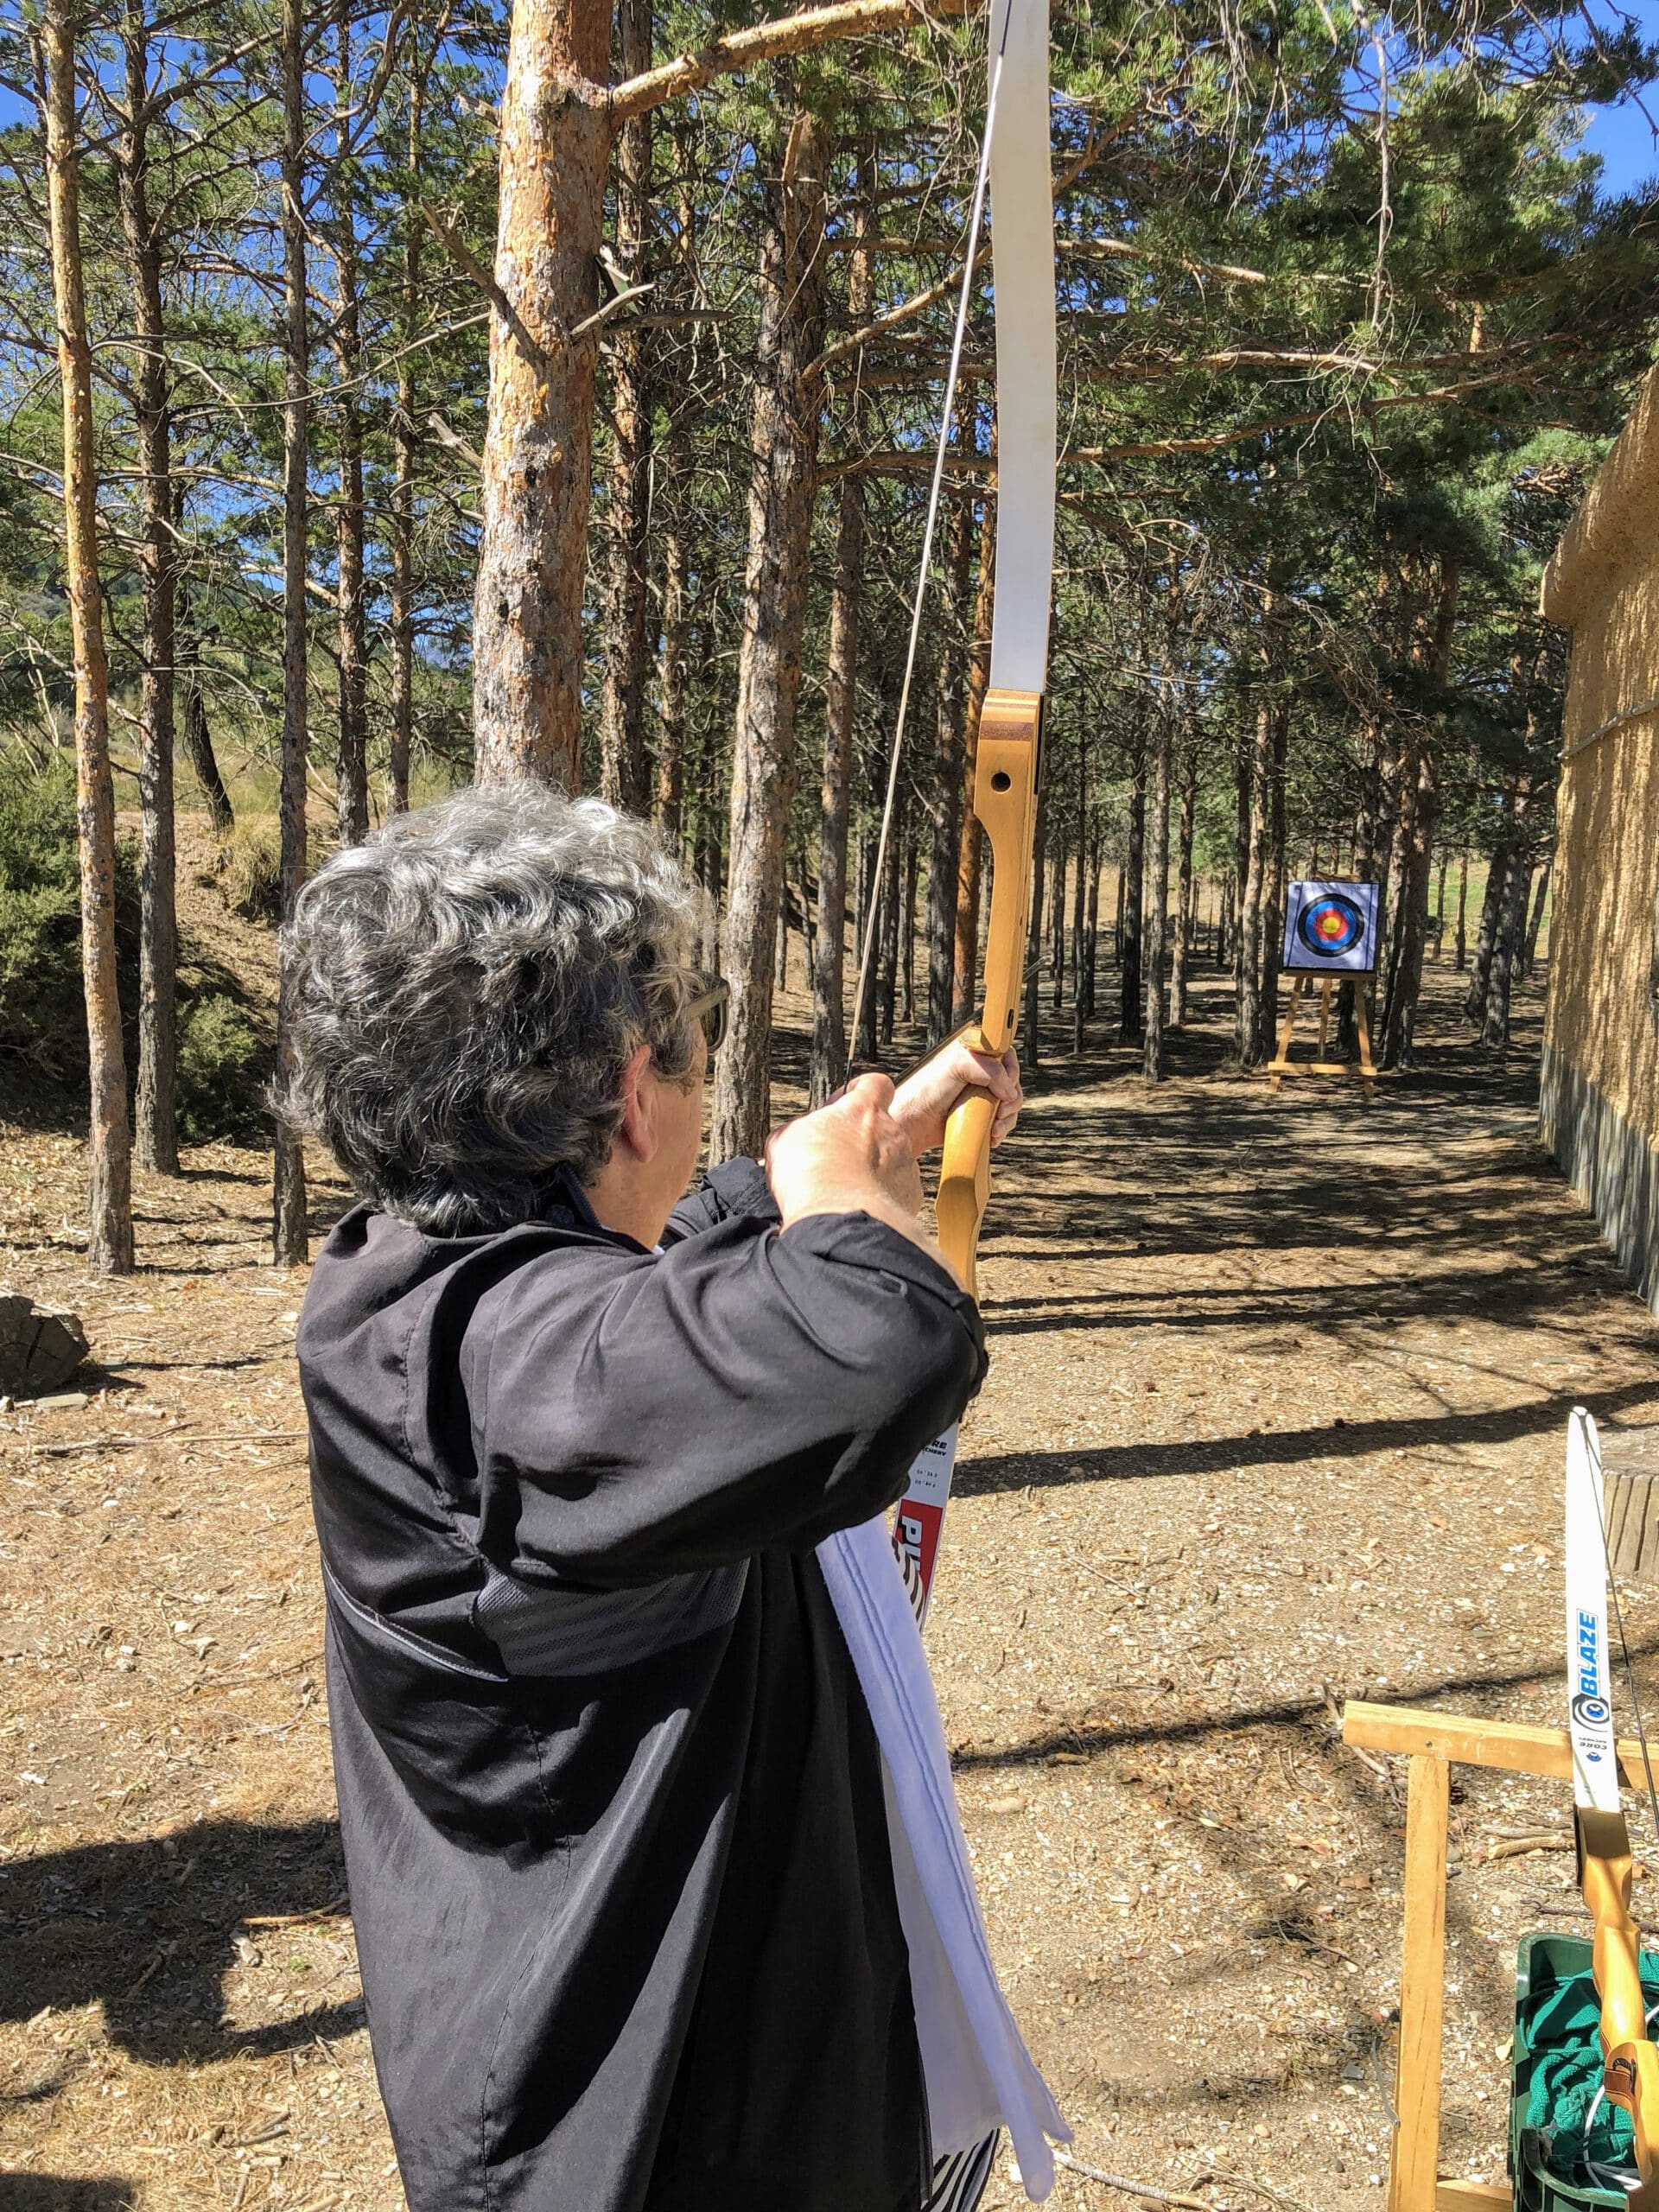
(250, 872)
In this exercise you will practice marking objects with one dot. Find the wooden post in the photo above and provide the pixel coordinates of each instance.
(1281, 1062)
(1412, 2169)
(1362, 1025)
(1630, 1504)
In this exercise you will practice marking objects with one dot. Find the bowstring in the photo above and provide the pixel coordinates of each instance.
(975, 218)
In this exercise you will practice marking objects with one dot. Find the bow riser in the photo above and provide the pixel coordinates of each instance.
(1007, 769)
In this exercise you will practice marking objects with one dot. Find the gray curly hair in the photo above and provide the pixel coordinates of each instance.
(467, 987)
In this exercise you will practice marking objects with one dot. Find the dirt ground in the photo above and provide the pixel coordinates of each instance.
(1275, 1418)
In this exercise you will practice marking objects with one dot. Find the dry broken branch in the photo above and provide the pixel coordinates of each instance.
(814, 26)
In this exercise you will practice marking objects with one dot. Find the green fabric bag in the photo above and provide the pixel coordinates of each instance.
(1563, 2032)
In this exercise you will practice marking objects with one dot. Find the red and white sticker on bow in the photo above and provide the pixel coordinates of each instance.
(921, 1509)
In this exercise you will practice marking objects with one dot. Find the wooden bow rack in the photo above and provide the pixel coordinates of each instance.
(1434, 1743)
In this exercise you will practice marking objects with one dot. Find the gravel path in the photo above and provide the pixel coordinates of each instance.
(1275, 1418)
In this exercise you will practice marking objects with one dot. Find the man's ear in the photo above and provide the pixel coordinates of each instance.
(638, 1130)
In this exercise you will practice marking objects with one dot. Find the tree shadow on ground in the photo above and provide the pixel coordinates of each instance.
(1094, 1740)
(65, 2193)
(1344, 1439)
(148, 1929)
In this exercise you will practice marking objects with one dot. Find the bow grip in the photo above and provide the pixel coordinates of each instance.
(965, 1183)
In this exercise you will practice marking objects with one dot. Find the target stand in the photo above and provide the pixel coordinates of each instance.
(1300, 989)
(1330, 933)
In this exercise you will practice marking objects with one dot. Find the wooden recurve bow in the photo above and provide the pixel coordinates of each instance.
(1011, 722)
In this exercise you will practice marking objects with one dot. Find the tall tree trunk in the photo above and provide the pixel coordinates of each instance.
(1463, 907)
(946, 803)
(554, 147)
(199, 744)
(1243, 794)
(671, 684)
(290, 1242)
(1080, 903)
(1272, 917)
(198, 738)
(1507, 941)
(1398, 799)
(1394, 902)
(1091, 927)
(1184, 893)
(1371, 799)
(1537, 922)
(1079, 941)
(405, 457)
(155, 1132)
(1439, 904)
(1157, 891)
(969, 861)
(907, 926)
(352, 760)
(712, 809)
(828, 1056)
(840, 714)
(872, 923)
(892, 933)
(108, 1141)
(1480, 972)
(1058, 918)
(783, 445)
(623, 776)
(1406, 953)
(1131, 1012)
(1250, 1033)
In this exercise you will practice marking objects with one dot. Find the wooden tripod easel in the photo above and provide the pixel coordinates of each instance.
(1434, 1742)
(1301, 985)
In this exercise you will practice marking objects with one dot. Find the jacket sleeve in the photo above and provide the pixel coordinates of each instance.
(736, 1187)
(635, 1417)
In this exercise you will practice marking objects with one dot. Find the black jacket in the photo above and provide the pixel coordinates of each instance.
(611, 1802)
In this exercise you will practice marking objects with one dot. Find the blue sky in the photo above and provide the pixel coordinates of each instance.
(1624, 137)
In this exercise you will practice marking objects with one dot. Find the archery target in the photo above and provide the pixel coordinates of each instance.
(1331, 926)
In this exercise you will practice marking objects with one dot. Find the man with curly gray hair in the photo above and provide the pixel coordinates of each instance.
(611, 1803)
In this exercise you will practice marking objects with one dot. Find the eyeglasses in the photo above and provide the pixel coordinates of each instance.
(708, 1006)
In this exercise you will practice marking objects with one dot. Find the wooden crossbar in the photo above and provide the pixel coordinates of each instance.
(1511, 1747)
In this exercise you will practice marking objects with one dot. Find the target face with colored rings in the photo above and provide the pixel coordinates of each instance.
(1330, 925)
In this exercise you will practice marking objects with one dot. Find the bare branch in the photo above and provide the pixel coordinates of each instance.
(814, 26)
